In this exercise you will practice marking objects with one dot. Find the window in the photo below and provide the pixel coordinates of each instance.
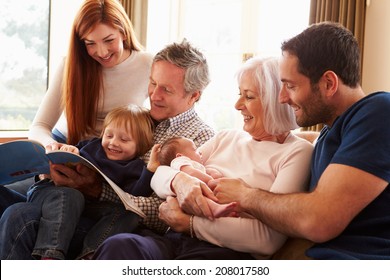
(226, 31)
(24, 33)
(33, 52)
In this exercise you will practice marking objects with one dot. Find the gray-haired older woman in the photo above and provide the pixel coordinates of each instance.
(265, 155)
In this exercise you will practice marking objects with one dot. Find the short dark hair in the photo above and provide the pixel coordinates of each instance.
(326, 46)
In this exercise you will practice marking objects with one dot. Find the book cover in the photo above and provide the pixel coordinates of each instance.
(21, 159)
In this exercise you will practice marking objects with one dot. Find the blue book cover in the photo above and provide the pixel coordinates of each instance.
(22, 159)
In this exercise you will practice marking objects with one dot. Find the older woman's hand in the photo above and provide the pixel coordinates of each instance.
(191, 194)
(81, 178)
(230, 190)
(171, 213)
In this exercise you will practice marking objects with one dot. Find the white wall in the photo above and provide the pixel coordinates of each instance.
(376, 59)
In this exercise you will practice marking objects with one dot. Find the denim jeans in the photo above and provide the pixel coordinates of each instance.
(20, 222)
(41, 227)
(61, 208)
(19, 226)
(9, 197)
(109, 219)
(58, 136)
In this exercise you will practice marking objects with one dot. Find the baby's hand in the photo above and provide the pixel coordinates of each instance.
(153, 161)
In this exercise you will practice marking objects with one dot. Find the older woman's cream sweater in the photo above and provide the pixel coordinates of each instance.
(279, 168)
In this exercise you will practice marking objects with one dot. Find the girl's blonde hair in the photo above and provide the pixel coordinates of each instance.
(137, 122)
(83, 78)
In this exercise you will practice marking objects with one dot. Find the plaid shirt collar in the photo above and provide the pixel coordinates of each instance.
(175, 122)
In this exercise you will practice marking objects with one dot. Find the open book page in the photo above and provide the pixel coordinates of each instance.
(125, 197)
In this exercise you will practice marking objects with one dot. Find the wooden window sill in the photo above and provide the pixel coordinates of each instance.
(6, 136)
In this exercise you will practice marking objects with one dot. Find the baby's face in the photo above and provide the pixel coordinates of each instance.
(188, 149)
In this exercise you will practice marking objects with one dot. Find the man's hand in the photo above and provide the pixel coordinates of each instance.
(191, 193)
(231, 190)
(171, 213)
(81, 178)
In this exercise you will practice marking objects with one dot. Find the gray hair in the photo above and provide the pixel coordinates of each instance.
(278, 118)
(186, 57)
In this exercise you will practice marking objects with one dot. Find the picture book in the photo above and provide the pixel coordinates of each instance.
(22, 159)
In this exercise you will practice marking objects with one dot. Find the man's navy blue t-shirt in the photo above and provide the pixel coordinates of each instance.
(360, 138)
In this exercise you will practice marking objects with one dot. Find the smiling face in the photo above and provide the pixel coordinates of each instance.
(105, 45)
(167, 95)
(118, 143)
(306, 100)
(249, 104)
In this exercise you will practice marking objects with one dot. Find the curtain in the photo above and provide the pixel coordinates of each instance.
(137, 11)
(350, 13)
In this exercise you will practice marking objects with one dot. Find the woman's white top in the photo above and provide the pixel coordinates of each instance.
(125, 83)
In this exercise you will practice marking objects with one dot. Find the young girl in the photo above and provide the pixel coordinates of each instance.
(127, 134)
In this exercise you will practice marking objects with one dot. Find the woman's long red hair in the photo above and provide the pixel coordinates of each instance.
(83, 79)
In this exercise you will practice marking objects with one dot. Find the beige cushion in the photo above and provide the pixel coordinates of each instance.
(293, 249)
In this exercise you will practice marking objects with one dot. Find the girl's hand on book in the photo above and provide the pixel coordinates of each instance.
(54, 146)
(70, 148)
